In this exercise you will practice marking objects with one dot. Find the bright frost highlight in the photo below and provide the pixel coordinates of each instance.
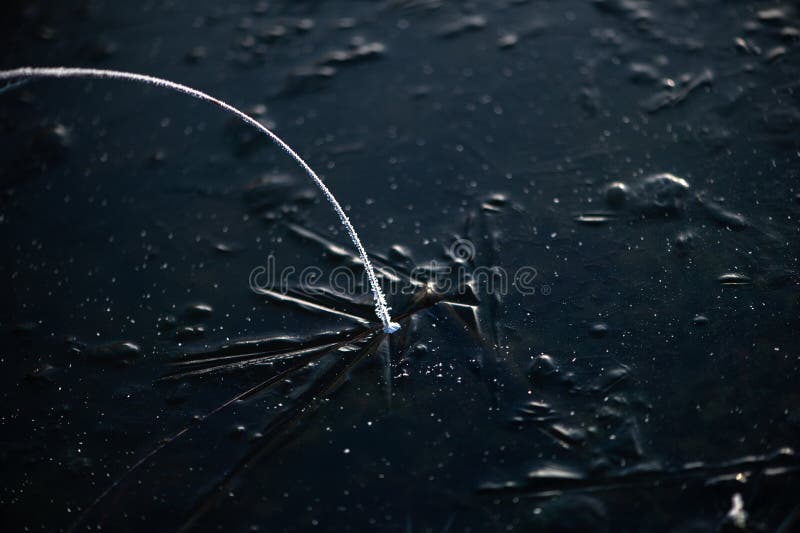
(381, 310)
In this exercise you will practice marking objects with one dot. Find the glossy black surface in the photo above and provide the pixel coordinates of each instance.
(640, 159)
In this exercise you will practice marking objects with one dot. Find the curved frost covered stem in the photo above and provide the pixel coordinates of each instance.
(27, 73)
